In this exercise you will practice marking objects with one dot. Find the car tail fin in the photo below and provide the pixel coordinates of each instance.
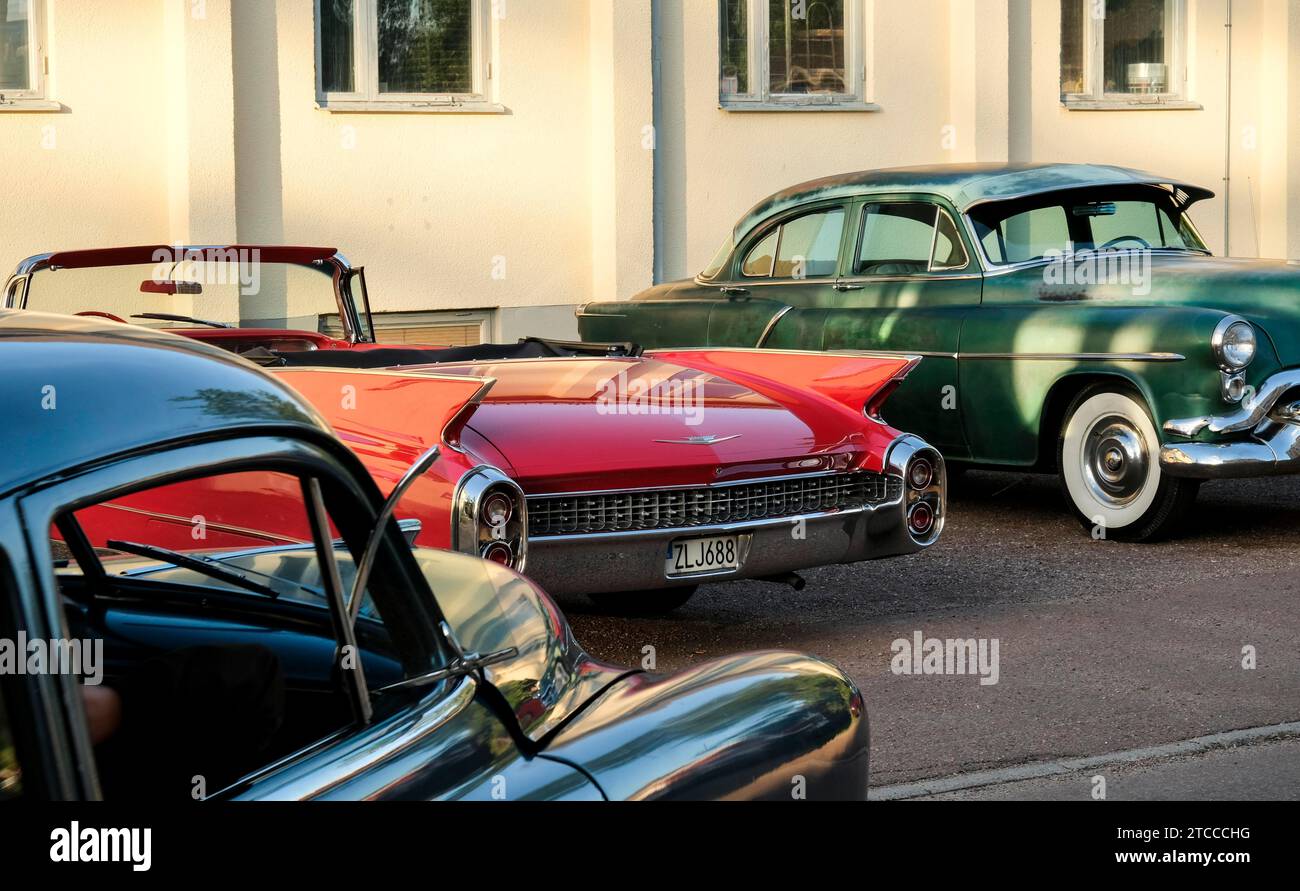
(415, 410)
(859, 382)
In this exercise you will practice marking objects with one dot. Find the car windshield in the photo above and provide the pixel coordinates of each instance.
(1056, 223)
(241, 292)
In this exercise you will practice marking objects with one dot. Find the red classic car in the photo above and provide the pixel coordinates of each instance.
(595, 468)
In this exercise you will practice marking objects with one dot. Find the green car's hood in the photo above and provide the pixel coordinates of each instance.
(1265, 292)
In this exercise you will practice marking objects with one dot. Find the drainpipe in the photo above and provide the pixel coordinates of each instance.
(1227, 148)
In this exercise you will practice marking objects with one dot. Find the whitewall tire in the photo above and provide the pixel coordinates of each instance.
(1109, 460)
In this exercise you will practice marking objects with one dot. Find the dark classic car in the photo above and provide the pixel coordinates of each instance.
(598, 470)
(1070, 317)
(376, 669)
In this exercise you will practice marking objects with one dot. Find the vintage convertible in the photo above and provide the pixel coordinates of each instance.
(1071, 319)
(595, 469)
(346, 666)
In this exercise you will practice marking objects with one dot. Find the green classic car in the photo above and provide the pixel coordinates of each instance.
(1070, 317)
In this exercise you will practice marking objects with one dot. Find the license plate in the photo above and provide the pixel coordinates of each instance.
(689, 556)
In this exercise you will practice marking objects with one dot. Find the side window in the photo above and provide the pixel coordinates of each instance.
(949, 252)
(761, 256)
(11, 776)
(899, 239)
(1028, 236)
(810, 245)
(218, 642)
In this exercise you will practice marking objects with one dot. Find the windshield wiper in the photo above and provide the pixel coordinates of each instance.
(168, 317)
(196, 562)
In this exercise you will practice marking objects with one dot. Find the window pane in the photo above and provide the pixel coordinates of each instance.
(425, 46)
(1133, 223)
(1134, 46)
(896, 239)
(759, 261)
(719, 259)
(338, 72)
(735, 46)
(1023, 236)
(949, 253)
(1072, 36)
(810, 245)
(806, 45)
(15, 45)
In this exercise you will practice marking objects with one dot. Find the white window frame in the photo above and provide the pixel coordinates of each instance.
(38, 67)
(1095, 96)
(760, 98)
(365, 57)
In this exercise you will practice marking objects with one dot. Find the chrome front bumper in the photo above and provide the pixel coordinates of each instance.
(1267, 431)
(635, 561)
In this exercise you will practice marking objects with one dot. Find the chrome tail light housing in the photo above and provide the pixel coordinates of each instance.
(490, 518)
(924, 486)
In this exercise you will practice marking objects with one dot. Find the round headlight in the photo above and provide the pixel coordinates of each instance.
(1234, 343)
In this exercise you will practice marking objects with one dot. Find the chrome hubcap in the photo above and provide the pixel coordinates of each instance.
(1115, 460)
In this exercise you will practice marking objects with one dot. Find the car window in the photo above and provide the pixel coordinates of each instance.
(719, 259)
(11, 776)
(810, 245)
(761, 256)
(1131, 224)
(1028, 236)
(901, 239)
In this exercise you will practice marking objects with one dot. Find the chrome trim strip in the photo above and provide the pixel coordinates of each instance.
(771, 326)
(690, 487)
(1084, 357)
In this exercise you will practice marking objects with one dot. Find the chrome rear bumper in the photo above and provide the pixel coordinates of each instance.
(1270, 447)
(635, 561)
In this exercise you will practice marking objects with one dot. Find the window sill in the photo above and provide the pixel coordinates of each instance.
(387, 106)
(1120, 104)
(30, 105)
(851, 106)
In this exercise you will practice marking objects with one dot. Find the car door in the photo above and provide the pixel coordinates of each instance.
(788, 266)
(910, 279)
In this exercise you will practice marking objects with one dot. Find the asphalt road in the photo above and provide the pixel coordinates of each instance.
(1103, 647)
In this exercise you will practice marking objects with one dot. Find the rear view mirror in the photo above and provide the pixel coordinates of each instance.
(170, 288)
(1095, 209)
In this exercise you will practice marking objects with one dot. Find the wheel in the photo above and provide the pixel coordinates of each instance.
(643, 603)
(1108, 457)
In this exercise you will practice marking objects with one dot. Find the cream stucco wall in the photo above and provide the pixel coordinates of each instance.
(98, 171)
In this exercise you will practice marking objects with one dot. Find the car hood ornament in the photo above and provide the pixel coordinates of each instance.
(708, 439)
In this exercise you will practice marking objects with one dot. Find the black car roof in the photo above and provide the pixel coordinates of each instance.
(76, 390)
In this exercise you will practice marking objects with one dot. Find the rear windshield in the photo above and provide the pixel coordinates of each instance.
(1142, 218)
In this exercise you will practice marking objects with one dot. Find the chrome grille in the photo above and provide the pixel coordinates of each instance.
(707, 505)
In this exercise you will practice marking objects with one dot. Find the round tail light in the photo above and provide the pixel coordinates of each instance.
(920, 518)
(920, 474)
(499, 552)
(498, 509)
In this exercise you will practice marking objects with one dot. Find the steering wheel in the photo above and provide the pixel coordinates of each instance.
(1146, 245)
(102, 315)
